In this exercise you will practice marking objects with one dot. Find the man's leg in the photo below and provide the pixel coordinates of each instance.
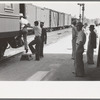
(38, 46)
(31, 46)
(41, 49)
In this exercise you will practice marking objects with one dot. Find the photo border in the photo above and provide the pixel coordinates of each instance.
(6, 86)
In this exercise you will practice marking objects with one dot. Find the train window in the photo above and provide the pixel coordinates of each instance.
(8, 7)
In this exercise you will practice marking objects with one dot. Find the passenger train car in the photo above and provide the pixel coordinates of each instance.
(10, 21)
(9, 25)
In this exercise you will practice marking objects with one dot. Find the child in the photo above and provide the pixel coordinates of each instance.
(91, 45)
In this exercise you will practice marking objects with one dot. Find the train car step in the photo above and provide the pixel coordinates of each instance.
(26, 57)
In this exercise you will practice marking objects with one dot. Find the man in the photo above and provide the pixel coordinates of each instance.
(81, 39)
(91, 45)
(24, 24)
(36, 41)
(43, 39)
(74, 37)
(98, 57)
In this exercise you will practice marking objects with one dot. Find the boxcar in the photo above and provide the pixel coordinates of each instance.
(61, 19)
(53, 19)
(47, 18)
(69, 19)
(66, 19)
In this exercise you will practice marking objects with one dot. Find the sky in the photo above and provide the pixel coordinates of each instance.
(92, 9)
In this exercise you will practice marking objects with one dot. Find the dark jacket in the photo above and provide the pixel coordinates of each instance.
(44, 35)
(93, 39)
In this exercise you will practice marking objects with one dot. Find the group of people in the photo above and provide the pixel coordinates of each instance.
(78, 42)
(37, 44)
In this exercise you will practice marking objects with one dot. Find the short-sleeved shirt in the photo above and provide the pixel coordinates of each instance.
(81, 37)
(74, 33)
(37, 31)
(23, 22)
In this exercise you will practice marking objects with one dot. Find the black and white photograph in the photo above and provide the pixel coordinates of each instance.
(49, 41)
(49, 49)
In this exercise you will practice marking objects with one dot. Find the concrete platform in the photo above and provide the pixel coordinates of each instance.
(56, 61)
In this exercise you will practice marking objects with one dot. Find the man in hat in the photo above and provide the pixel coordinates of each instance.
(24, 24)
(81, 39)
(91, 45)
(74, 37)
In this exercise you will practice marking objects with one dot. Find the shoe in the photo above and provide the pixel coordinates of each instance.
(90, 63)
(41, 56)
(37, 59)
(26, 50)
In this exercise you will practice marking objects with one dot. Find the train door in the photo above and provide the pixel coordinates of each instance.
(22, 9)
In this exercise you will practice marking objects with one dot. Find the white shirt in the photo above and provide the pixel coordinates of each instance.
(97, 31)
(37, 30)
(81, 37)
(23, 22)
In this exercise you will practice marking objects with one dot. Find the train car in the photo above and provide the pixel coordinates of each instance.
(9, 20)
(9, 25)
(66, 20)
(61, 19)
(29, 11)
(34, 13)
(53, 19)
(40, 14)
(69, 19)
(47, 22)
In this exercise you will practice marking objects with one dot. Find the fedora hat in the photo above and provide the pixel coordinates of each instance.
(79, 24)
(91, 26)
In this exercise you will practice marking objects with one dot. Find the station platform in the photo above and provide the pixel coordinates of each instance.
(56, 65)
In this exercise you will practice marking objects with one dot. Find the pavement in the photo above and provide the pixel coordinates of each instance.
(56, 65)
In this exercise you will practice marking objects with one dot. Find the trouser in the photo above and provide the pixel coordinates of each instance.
(79, 64)
(90, 54)
(73, 48)
(24, 32)
(98, 58)
(41, 48)
(3, 46)
(36, 50)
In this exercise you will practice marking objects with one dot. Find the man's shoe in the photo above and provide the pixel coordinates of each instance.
(90, 63)
(26, 50)
(41, 56)
(37, 59)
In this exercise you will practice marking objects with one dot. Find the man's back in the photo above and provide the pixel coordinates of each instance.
(37, 31)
